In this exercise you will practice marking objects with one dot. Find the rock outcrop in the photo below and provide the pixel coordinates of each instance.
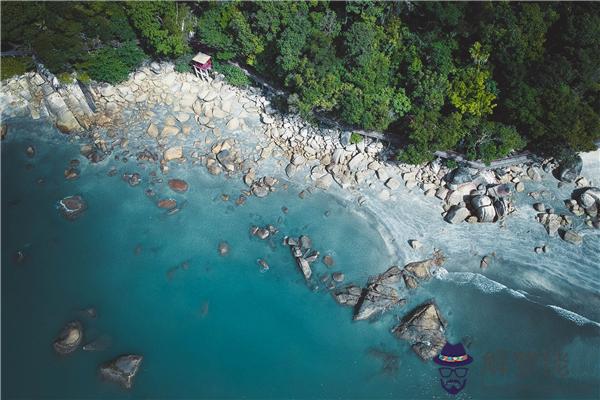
(71, 207)
(424, 329)
(69, 338)
(378, 297)
(122, 370)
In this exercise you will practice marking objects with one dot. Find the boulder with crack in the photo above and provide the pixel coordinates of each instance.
(424, 328)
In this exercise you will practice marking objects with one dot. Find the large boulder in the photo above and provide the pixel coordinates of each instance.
(457, 214)
(569, 169)
(173, 153)
(459, 176)
(572, 237)
(419, 271)
(589, 197)
(122, 369)
(424, 328)
(376, 299)
(69, 338)
(348, 296)
(304, 267)
(64, 118)
(484, 209)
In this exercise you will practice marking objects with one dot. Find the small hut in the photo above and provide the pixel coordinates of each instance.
(202, 64)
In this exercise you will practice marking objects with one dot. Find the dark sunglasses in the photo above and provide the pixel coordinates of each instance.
(459, 372)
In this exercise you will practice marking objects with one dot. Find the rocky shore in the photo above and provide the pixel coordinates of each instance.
(235, 133)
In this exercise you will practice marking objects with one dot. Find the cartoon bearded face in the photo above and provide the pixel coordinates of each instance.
(453, 379)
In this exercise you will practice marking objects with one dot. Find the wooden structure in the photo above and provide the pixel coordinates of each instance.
(202, 64)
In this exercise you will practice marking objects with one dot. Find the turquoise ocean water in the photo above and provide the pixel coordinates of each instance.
(222, 329)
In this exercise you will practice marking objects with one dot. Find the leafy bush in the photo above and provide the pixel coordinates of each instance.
(183, 63)
(450, 163)
(65, 77)
(355, 138)
(84, 77)
(11, 66)
(233, 75)
(113, 65)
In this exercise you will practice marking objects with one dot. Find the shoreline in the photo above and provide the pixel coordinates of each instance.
(212, 118)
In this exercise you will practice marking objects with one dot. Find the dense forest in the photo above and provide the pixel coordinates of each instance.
(481, 78)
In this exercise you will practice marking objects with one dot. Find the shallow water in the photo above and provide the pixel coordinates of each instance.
(222, 329)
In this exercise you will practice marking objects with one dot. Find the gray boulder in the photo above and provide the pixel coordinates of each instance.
(589, 197)
(376, 299)
(348, 296)
(457, 214)
(304, 267)
(122, 369)
(484, 209)
(424, 328)
(572, 237)
(569, 169)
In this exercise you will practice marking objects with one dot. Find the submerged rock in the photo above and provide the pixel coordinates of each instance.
(424, 328)
(167, 203)
(223, 249)
(328, 261)
(122, 369)
(178, 185)
(69, 338)
(572, 237)
(72, 207)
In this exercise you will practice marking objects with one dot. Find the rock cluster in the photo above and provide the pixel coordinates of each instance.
(301, 249)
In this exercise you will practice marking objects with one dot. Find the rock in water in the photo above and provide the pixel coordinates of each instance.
(572, 237)
(338, 277)
(485, 262)
(223, 249)
(173, 153)
(589, 197)
(424, 328)
(167, 203)
(178, 185)
(30, 151)
(122, 369)
(457, 214)
(376, 299)
(419, 271)
(569, 169)
(72, 207)
(304, 267)
(348, 296)
(328, 260)
(69, 339)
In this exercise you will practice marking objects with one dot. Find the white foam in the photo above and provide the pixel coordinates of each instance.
(481, 282)
(580, 320)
